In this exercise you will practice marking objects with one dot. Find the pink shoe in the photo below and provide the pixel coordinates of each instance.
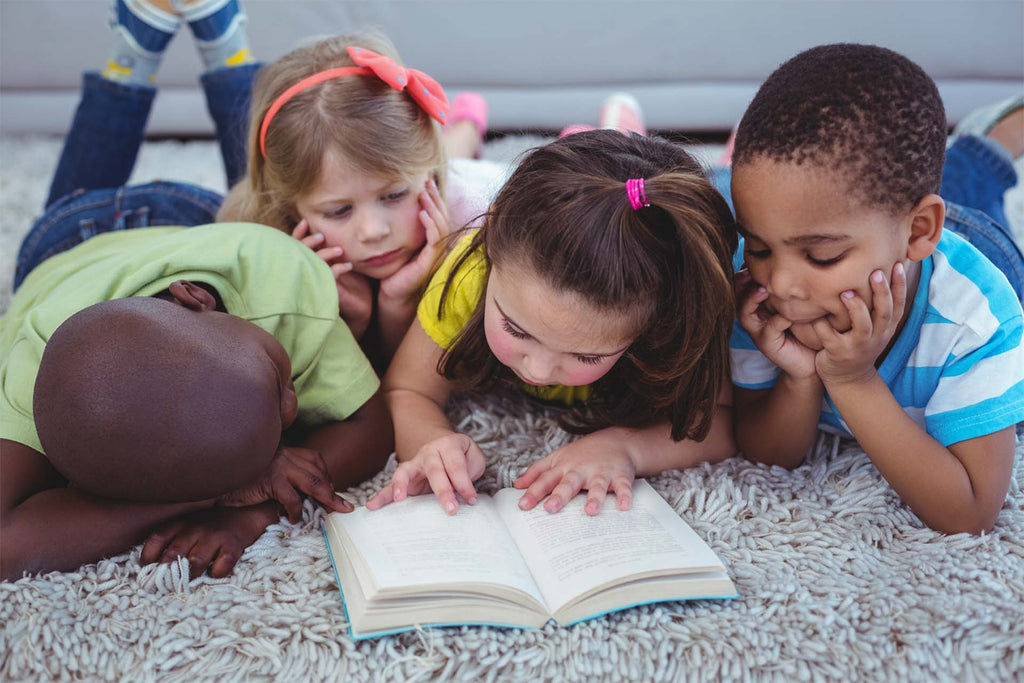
(574, 128)
(472, 107)
(622, 112)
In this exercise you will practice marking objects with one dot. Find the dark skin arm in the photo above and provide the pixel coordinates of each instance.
(357, 448)
(45, 525)
(213, 540)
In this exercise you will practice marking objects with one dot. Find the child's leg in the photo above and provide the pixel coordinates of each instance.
(229, 72)
(979, 160)
(79, 216)
(107, 128)
(219, 30)
(977, 173)
(228, 96)
(142, 29)
(105, 136)
(467, 125)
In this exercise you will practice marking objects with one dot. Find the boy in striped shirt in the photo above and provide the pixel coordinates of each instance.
(860, 314)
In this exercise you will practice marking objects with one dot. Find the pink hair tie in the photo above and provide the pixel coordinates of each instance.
(636, 194)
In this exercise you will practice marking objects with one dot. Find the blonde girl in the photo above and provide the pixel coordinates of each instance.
(601, 278)
(346, 154)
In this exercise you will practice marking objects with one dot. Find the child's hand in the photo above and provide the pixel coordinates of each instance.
(446, 465)
(768, 332)
(406, 283)
(573, 467)
(850, 356)
(355, 294)
(211, 540)
(292, 470)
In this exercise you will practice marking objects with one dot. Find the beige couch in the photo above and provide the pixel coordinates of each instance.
(693, 64)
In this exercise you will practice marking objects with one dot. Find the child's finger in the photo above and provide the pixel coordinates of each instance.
(437, 212)
(532, 472)
(381, 498)
(571, 484)
(441, 485)
(882, 303)
(898, 286)
(541, 487)
(826, 333)
(201, 556)
(433, 234)
(860, 317)
(329, 254)
(778, 323)
(339, 269)
(224, 562)
(750, 308)
(301, 229)
(455, 467)
(180, 546)
(157, 542)
(310, 475)
(402, 480)
(623, 487)
(285, 494)
(597, 488)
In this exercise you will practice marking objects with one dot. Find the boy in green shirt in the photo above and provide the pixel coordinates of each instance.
(186, 382)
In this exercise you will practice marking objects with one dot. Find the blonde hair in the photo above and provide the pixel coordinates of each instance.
(376, 129)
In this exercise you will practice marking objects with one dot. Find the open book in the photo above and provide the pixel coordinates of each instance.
(409, 564)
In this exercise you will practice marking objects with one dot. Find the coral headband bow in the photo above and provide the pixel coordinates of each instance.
(423, 89)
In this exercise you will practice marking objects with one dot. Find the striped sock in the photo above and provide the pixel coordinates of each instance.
(219, 30)
(141, 33)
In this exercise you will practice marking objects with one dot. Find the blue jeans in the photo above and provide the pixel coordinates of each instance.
(109, 124)
(974, 179)
(86, 213)
(88, 195)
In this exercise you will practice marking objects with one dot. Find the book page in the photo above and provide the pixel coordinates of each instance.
(571, 553)
(415, 543)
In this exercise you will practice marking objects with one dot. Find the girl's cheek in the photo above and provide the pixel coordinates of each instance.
(501, 345)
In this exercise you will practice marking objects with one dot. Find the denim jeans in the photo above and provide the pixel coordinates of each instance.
(88, 194)
(83, 214)
(110, 121)
(974, 179)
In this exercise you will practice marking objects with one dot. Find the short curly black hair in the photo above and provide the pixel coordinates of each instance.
(865, 111)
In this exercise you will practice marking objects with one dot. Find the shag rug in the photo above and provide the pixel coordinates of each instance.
(837, 579)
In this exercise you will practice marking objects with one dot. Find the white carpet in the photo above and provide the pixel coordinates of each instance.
(837, 579)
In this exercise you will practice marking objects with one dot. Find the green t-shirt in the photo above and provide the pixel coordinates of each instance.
(261, 274)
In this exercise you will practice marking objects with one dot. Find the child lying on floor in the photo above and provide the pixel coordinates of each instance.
(181, 391)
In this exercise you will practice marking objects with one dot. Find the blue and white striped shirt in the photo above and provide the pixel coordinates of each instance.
(957, 367)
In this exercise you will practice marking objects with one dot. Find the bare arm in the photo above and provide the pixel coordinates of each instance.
(48, 526)
(356, 448)
(955, 489)
(778, 426)
(432, 456)
(417, 393)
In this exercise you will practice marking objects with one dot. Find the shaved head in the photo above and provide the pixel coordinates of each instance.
(144, 399)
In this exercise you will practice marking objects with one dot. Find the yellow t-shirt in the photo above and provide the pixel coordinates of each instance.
(261, 274)
(466, 290)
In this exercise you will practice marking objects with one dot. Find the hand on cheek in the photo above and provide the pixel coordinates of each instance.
(850, 356)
